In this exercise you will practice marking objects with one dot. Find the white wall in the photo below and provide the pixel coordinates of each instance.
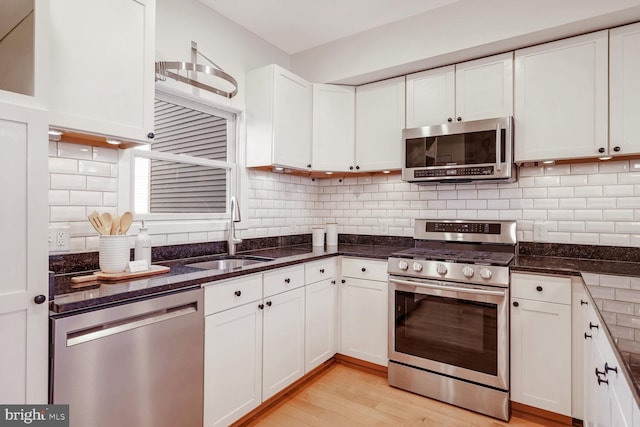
(463, 30)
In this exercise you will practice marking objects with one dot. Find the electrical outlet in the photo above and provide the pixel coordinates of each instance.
(59, 236)
(384, 226)
(540, 232)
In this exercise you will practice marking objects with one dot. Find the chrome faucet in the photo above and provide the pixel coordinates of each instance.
(232, 241)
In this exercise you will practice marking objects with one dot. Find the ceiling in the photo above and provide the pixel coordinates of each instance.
(315, 22)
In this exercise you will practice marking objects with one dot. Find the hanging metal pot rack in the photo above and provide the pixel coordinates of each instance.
(172, 69)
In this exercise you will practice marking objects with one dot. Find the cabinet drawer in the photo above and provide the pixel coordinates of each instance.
(283, 280)
(364, 269)
(319, 270)
(541, 288)
(223, 295)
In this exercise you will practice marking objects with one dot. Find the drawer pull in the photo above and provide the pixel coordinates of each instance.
(322, 270)
(608, 368)
(600, 381)
(586, 335)
(539, 288)
(287, 280)
(363, 269)
(592, 326)
(582, 302)
(237, 293)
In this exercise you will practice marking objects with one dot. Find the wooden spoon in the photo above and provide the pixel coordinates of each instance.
(94, 219)
(125, 222)
(115, 225)
(105, 217)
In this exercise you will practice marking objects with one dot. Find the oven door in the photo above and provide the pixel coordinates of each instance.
(454, 329)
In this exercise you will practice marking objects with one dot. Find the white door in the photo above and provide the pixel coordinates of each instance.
(292, 120)
(541, 355)
(379, 124)
(364, 308)
(624, 89)
(320, 310)
(484, 88)
(232, 364)
(561, 99)
(23, 257)
(102, 66)
(431, 97)
(333, 128)
(283, 341)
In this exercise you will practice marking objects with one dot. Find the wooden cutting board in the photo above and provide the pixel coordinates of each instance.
(113, 277)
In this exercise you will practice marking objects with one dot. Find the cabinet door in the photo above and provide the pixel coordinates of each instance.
(624, 89)
(232, 364)
(379, 124)
(484, 88)
(431, 97)
(283, 344)
(333, 128)
(24, 324)
(363, 328)
(561, 94)
(102, 66)
(292, 120)
(320, 315)
(541, 355)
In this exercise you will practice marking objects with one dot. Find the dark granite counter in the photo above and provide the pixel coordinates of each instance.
(613, 288)
(68, 298)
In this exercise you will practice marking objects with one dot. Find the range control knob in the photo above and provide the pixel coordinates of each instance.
(402, 265)
(486, 274)
(417, 266)
(467, 271)
(441, 269)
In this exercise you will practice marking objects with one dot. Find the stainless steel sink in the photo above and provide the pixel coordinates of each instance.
(229, 262)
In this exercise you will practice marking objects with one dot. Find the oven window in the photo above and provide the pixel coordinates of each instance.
(452, 331)
(474, 148)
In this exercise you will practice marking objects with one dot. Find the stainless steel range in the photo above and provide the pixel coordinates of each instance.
(449, 313)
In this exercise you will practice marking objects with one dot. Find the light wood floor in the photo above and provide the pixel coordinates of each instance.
(347, 396)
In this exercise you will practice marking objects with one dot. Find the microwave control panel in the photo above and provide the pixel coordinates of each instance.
(464, 171)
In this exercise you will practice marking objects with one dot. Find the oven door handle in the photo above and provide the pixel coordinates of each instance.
(498, 148)
(449, 288)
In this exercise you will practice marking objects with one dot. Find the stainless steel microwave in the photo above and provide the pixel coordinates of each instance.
(479, 150)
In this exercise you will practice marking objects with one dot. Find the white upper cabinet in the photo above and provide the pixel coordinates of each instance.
(102, 67)
(561, 99)
(379, 122)
(624, 89)
(278, 118)
(333, 128)
(473, 90)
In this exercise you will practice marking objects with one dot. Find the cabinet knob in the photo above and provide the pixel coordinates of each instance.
(151, 135)
(516, 303)
(586, 335)
(322, 270)
(582, 302)
(343, 281)
(592, 326)
(350, 168)
(601, 150)
(287, 280)
(539, 288)
(261, 306)
(357, 167)
(616, 148)
(269, 303)
(449, 119)
(237, 293)
(459, 118)
(363, 269)
(309, 165)
(39, 299)
(608, 368)
(333, 282)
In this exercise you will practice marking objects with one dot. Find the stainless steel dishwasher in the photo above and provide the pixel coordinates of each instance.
(137, 364)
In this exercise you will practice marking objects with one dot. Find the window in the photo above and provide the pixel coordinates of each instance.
(189, 170)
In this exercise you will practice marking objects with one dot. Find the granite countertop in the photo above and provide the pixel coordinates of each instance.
(68, 297)
(614, 289)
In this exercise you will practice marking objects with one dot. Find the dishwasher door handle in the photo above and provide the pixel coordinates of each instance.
(112, 328)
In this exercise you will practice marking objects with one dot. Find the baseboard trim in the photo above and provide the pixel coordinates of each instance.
(373, 368)
(542, 413)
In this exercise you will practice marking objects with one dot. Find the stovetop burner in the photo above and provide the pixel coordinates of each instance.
(452, 255)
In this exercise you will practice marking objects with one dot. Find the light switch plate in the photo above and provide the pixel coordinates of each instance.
(540, 232)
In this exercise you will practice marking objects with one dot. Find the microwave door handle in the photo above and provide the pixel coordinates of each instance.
(498, 149)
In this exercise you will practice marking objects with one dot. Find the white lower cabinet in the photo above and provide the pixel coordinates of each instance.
(541, 342)
(364, 297)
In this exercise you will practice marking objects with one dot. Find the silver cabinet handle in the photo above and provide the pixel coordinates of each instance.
(498, 149)
(107, 329)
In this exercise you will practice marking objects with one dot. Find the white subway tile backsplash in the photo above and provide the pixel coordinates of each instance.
(104, 154)
(614, 239)
(557, 170)
(85, 198)
(96, 183)
(613, 166)
(561, 214)
(574, 180)
(617, 190)
(588, 214)
(617, 214)
(629, 178)
(74, 151)
(532, 171)
(585, 238)
(584, 168)
(67, 213)
(572, 203)
(58, 197)
(547, 181)
(64, 166)
(603, 179)
(599, 226)
(67, 182)
(86, 167)
(534, 193)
